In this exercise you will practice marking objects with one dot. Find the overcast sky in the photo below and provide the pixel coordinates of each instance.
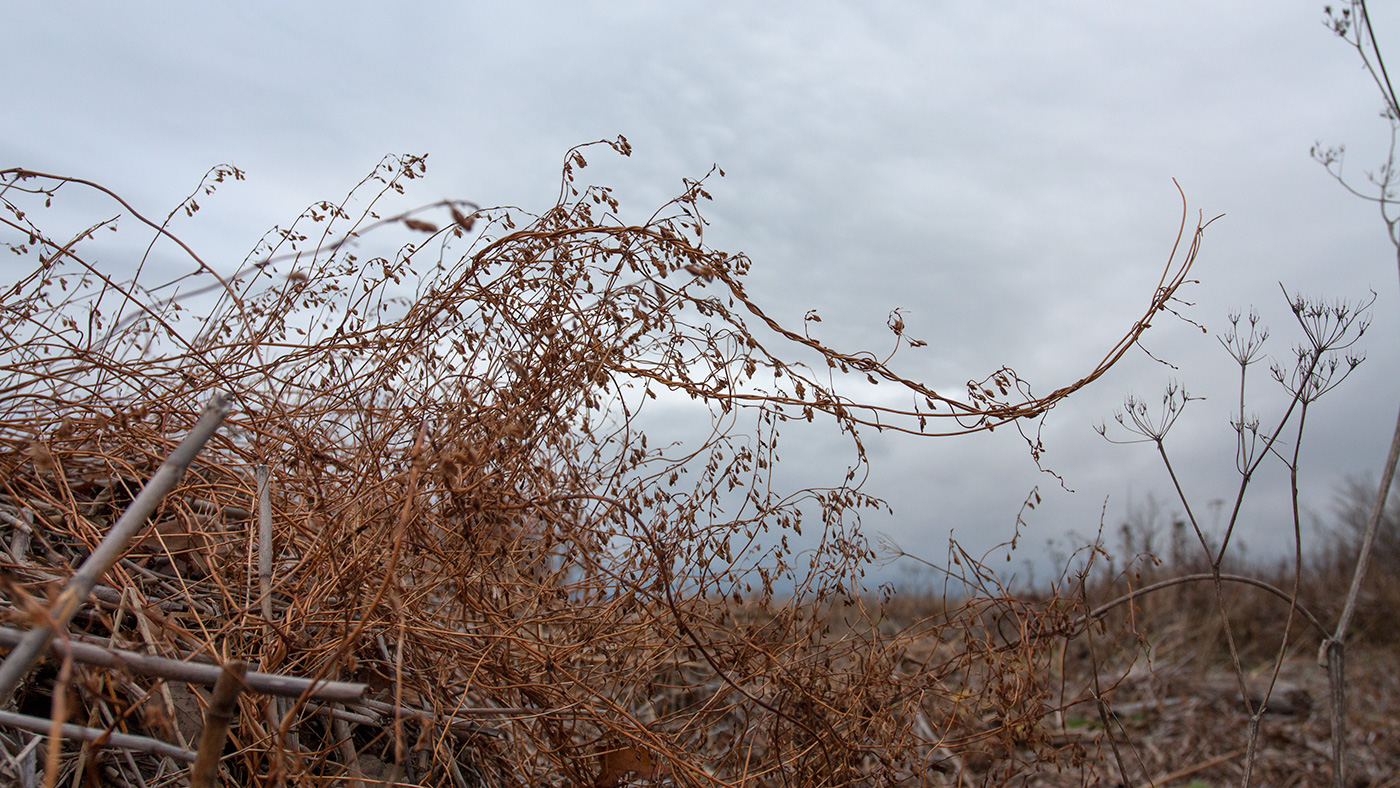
(1002, 172)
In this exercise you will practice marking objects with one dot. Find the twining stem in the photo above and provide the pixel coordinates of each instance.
(113, 545)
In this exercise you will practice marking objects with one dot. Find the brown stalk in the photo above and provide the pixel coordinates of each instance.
(223, 708)
(192, 672)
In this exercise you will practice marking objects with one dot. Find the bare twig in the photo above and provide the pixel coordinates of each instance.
(97, 735)
(1103, 609)
(223, 707)
(194, 672)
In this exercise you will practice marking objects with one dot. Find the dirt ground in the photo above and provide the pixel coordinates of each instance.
(1178, 724)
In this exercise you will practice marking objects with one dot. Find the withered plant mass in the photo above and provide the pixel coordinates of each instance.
(468, 514)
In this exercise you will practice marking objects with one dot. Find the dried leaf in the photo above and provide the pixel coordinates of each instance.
(65, 428)
(618, 764)
(40, 455)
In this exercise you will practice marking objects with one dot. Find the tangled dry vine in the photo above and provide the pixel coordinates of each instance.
(467, 514)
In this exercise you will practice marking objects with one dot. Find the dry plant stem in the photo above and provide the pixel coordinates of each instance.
(151, 641)
(58, 714)
(223, 707)
(101, 736)
(1107, 607)
(380, 707)
(1291, 599)
(1100, 704)
(1332, 655)
(454, 719)
(1215, 562)
(194, 672)
(20, 173)
(265, 551)
(264, 508)
(113, 545)
(342, 715)
(133, 769)
(27, 758)
(1256, 718)
(1373, 525)
(1247, 468)
(346, 746)
(398, 680)
(1337, 708)
(400, 527)
(1256, 714)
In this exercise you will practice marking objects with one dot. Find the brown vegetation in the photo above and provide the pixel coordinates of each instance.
(466, 515)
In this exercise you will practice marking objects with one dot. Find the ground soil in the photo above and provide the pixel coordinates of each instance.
(1182, 724)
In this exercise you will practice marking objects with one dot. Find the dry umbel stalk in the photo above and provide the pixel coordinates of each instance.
(467, 514)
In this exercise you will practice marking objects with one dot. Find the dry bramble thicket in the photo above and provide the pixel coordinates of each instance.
(433, 486)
